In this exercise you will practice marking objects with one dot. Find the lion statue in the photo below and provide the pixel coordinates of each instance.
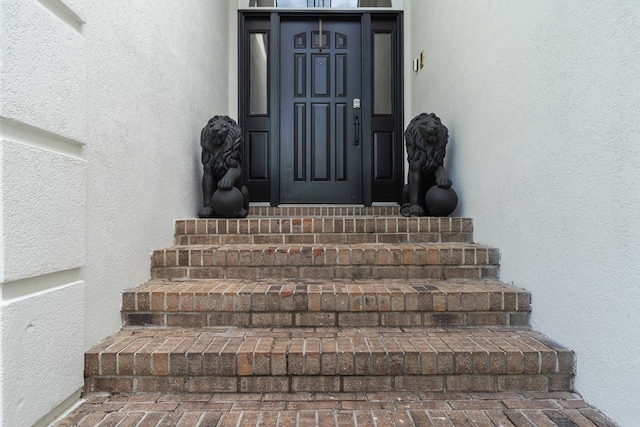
(426, 140)
(223, 192)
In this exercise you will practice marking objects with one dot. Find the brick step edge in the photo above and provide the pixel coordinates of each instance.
(323, 319)
(331, 295)
(321, 238)
(311, 225)
(267, 255)
(330, 303)
(362, 261)
(473, 354)
(330, 384)
(328, 273)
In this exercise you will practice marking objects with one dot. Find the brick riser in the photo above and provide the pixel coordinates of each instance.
(363, 261)
(350, 360)
(318, 239)
(337, 230)
(315, 304)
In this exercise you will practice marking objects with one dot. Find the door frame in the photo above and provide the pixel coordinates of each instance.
(265, 186)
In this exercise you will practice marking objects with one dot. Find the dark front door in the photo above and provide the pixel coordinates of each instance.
(320, 124)
(305, 140)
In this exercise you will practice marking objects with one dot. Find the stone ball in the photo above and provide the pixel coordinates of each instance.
(441, 201)
(227, 203)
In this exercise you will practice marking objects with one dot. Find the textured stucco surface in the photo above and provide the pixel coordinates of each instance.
(41, 346)
(44, 218)
(541, 100)
(157, 72)
(1, 273)
(1, 223)
(102, 106)
(43, 74)
(42, 129)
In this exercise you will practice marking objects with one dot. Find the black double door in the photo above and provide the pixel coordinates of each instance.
(319, 139)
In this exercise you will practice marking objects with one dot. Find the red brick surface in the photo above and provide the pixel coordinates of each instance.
(333, 359)
(338, 230)
(328, 315)
(289, 302)
(381, 409)
(374, 260)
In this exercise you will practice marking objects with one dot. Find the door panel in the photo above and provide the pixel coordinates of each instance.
(383, 156)
(319, 78)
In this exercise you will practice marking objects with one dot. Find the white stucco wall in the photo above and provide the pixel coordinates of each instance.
(102, 106)
(42, 353)
(541, 100)
(44, 218)
(42, 131)
(157, 73)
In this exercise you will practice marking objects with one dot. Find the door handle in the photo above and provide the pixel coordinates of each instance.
(356, 123)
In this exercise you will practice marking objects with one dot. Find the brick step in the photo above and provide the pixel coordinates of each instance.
(318, 230)
(323, 210)
(204, 360)
(358, 261)
(319, 238)
(307, 303)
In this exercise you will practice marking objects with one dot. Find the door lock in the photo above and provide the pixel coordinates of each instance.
(356, 103)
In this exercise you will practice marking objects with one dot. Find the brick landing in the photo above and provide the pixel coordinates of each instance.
(337, 409)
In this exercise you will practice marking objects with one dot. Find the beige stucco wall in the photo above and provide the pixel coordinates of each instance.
(102, 105)
(541, 99)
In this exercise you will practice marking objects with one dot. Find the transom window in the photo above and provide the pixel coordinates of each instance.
(342, 4)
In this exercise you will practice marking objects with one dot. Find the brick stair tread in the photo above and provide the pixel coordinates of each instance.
(356, 261)
(326, 303)
(492, 359)
(311, 238)
(408, 409)
(452, 253)
(335, 224)
(457, 350)
(382, 295)
(285, 246)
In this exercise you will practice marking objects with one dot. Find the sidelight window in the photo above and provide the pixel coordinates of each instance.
(382, 74)
(258, 62)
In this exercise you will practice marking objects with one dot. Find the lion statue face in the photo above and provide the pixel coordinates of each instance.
(429, 130)
(221, 141)
(218, 129)
(426, 139)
